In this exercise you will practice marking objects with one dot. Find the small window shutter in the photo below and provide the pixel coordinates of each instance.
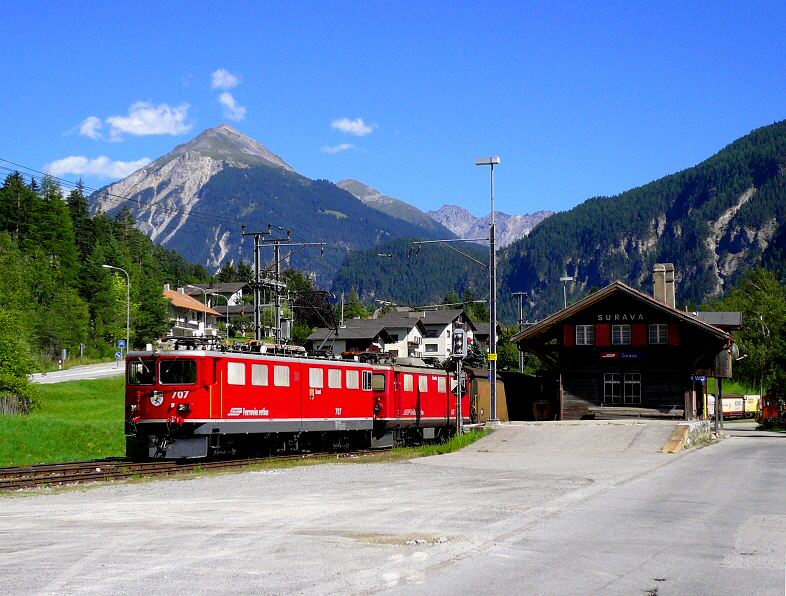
(674, 334)
(569, 332)
(638, 333)
(603, 335)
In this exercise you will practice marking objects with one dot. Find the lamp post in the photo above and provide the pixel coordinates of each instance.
(205, 303)
(128, 303)
(492, 161)
(227, 301)
(565, 281)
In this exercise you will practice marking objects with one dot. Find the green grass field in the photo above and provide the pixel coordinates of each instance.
(72, 421)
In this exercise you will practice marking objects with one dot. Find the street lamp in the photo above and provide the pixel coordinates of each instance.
(227, 301)
(128, 303)
(204, 330)
(565, 281)
(492, 161)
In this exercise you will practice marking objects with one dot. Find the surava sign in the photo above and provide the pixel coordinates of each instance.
(620, 317)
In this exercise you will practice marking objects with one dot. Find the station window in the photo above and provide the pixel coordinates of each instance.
(423, 383)
(259, 374)
(409, 383)
(316, 378)
(353, 379)
(612, 391)
(334, 378)
(632, 388)
(659, 333)
(620, 335)
(236, 373)
(585, 335)
(281, 376)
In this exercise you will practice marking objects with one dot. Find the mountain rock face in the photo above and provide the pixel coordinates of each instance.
(509, 228)
(194, 200)
(395, 207)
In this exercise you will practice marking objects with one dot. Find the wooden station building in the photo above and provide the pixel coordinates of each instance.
(621, 352)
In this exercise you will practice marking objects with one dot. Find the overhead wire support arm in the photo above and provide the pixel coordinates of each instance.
(446, 244)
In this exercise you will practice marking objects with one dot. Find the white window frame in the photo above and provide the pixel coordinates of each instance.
(620, 335)
(408, 382)
(658, 333)
(585, 335)
(612, 389)
(236, 373)
(334, 378)
(432, 348)
(259, 375)
(442, 384)
(353, 379)
(316, 378)
(631, 391)
(423, 383)
(368, 382)
(281, 375)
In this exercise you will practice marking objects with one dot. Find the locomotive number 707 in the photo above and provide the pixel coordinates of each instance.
(180, 394)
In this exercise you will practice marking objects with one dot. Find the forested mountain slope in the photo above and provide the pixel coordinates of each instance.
(714, 221)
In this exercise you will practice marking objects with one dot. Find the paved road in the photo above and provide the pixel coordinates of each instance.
(533, 509)
(81, 373)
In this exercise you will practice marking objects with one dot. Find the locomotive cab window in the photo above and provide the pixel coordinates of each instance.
(367, 382)
(141, 373)
(178, 371)
(378, 382)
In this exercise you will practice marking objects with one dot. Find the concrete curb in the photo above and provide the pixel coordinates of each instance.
(688, 434)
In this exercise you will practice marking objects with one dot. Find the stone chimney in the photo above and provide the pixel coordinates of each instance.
(663, 283)
(166, 287)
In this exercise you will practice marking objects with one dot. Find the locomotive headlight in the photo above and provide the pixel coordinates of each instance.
(184, 408)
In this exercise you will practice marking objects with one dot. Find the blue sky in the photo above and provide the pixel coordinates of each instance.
(578, 99)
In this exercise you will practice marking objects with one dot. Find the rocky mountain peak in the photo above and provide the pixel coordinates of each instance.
(224, 143)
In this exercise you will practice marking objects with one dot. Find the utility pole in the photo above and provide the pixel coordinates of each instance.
(259, 239)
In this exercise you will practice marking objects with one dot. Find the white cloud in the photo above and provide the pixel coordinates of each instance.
(101, 167)
(232, 110)
(223, 79)
(146, 119)
(337, 148)
(90, 127)
(353, 127)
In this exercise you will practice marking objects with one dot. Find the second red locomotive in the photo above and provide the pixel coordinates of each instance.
(196, 403)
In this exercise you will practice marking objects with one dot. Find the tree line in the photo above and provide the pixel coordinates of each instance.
(54, 291)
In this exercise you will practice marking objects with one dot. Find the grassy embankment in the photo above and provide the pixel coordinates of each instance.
(72, 421)
(82, 420)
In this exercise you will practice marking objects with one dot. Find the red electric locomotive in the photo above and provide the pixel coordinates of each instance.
(196, 403)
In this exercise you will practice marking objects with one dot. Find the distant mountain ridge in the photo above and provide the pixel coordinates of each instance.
(509, 228)
(395, 207)
(194, 199)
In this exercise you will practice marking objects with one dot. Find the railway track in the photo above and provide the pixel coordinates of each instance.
(49, 475)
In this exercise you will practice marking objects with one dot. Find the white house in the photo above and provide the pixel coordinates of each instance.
(190, 317)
